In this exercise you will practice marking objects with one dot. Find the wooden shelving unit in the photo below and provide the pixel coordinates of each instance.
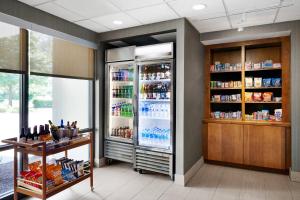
(239, 141)
(39, 148)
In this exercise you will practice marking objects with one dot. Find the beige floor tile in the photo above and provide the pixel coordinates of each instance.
(277, 187)
(253, 187)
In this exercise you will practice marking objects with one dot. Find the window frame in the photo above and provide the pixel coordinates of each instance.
(24, 95)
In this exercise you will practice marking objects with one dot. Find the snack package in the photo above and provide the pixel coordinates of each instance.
(257, 82)
(248, 66)
(277, 99)
(248, 96)
(278, 114)
(276, 65)
(35, 166)
(223, 98)
(267, 63)
(257, 66)
(234, 97)
(217, 98)
(265, 114)
(276, 82)
(267, 96)
(249, 82)
(212, 68)
(267, 82)
(257, 96)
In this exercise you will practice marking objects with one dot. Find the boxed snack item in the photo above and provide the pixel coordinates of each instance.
(249, 82)
(212, 68)
(277, 99)
(248, 96)
(276, 65)
(267, 64)
(257, 66)
(257, 96)
(267, 82)
(234, 97)
(265, 114)
(239, 66)
(248, 66)
(217, 98)
(276, 82)
(267, 96)
(257, 82)
(278, 114)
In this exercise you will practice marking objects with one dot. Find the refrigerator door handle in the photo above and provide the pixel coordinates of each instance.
(135, 100)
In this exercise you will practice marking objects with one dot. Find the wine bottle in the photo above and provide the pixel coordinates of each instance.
(68, 125)
(53, 127)
(30, 135)
(75, 124)
(47, 131)
(35, 133)
(62, 123)
(41, 130)
(22, 135)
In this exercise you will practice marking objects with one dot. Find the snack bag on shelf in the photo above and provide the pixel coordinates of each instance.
(278, 114)
(249, 82)
(276, 82)
(265, 114)
(257, 96)
(267, 82)
(276, 65)
(267, 64)
(248, 96)
(257, 82)
(248, 66)
(35, 166)
(257, 66)
(267, 96)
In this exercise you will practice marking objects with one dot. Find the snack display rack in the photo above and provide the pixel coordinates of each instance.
(40, 148)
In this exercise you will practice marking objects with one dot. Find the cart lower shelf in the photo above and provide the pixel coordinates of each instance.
(38, 192)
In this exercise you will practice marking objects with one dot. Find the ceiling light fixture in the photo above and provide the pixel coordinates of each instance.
(117, 22)
(240, 29)
(198, 6)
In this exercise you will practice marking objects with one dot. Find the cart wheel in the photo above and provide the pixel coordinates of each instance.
(141, 171)
(109, 161)
(135, 169)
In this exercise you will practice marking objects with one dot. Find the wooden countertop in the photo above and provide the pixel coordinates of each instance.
(262, 123)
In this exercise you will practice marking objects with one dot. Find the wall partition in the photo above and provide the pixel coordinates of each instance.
(41, 78)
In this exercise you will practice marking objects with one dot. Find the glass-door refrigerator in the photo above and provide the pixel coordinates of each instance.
(120, 104)
(155, 133)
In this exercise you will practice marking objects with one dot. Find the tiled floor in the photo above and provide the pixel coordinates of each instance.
(120, 182)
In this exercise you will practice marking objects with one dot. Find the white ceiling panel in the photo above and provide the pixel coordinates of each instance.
(34, 2)
(89, 8)
(133, 4)
(59, 11)
(214, 8)
(89, 24)
(289, 13)
(108, 20)
(216, 24)
(153, 14)
(240, 6)
(253, 18)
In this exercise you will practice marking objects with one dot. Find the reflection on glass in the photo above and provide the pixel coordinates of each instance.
(9, 105)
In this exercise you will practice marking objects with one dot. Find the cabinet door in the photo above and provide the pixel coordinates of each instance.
(232, 143)
(264, 146)
(214, 141)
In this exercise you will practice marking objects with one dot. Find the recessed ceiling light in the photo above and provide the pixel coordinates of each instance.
(240, 29)
(117, 22)
(198, 6)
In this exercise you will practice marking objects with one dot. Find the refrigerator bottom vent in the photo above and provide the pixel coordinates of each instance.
(118, 151)
(154, 161)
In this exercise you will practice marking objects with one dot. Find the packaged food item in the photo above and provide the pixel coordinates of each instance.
(257, 96)
(277, 99)
(249, 82)
(248, 96)
(217, 98)
(276, 65)
(267, 64)
(248, 66)
(257, 66)
(35, 166)
(265, 114)
(276, 82)
(212, 68)
(257, 82)
(267, 96)
(267, 82)
(278, 114)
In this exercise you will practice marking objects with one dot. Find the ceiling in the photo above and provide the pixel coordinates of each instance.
(105, 15)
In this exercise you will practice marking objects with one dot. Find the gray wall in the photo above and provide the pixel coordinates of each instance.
(188, 141)
(253, 32)
(29, 17)
(193, 95)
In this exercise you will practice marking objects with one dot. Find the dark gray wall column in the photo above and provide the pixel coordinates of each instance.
(273, 30)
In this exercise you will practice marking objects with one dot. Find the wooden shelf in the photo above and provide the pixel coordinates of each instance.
(237, 102)
(249, 122)
(233, 71)
(225, 88)
(261, 88)
(263, 69)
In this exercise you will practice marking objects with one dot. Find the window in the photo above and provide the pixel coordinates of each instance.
(10, 68)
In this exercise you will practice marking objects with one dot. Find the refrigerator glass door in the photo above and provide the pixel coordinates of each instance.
(154, 104)
(121, 101)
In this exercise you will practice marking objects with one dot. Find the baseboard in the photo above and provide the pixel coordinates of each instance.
(183, 179)
(99, 162)
(294, 176)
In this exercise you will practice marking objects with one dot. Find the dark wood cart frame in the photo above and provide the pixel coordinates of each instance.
(39, 149)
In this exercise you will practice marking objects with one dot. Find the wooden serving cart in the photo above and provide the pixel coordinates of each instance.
(40, 148)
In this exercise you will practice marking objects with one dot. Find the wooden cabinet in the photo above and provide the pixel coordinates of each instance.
(225, 142)
(264, 146)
